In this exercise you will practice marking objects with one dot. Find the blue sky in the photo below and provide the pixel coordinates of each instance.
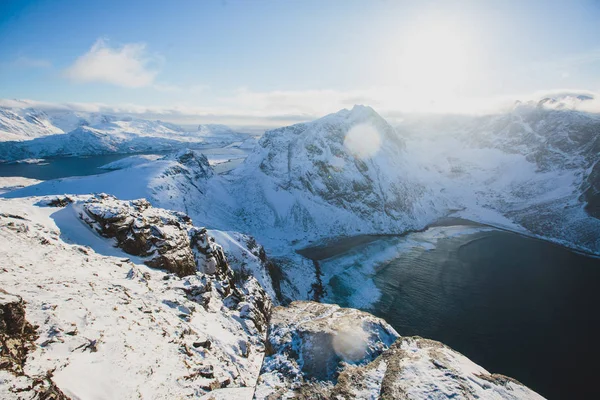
(284, 58)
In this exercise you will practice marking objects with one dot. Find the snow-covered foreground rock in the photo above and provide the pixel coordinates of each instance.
(100, 316)
(108, 326)
(324, 351)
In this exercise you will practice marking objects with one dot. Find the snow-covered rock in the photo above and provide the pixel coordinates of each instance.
(323, 351)
(111, 327)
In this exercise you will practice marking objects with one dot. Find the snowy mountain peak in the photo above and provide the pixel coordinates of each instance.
(349, 168)
(194, 160)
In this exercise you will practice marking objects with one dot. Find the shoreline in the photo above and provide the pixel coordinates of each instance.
(331, 247)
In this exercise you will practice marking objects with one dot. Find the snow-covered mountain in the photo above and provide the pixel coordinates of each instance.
(29, 133)
(345, 173)
(25, 124)
(532, 169)
(351, 173)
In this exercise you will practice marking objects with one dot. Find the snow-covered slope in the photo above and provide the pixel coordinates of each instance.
(530, 169)
(109, 326)
(25, 124)
(175, 181)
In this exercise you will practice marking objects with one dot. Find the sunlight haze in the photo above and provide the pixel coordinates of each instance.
(222, 61)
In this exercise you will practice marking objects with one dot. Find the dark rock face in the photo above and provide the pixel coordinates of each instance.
(16, 334)
(591, 195)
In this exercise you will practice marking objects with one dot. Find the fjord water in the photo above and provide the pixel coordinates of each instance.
(61, 167)
(518, 306)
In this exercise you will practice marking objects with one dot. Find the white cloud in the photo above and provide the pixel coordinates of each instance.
(278, 108)
(129, 65)
(29, 62)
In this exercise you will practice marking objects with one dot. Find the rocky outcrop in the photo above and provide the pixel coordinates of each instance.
(166, 239)
(322, 351)
(139, 229)
(16, 334)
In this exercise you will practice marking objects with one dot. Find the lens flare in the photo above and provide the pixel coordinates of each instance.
(350, 343)
(363, 140)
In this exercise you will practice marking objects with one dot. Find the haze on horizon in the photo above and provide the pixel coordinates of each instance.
(271, 63)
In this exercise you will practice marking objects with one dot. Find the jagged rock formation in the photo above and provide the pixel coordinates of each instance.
(321, 351)
(166, 239)
(141, 230)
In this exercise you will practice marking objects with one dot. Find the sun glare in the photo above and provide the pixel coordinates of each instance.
(433, 59)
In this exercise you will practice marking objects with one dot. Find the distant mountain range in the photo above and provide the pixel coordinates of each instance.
(29, 133)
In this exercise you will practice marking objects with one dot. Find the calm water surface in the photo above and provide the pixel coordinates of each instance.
(517, 306)
(62, 167)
